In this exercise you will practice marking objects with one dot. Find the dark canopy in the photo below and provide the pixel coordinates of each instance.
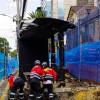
(44, 27)
(33, 41)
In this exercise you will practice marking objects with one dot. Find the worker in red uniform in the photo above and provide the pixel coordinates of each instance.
(48, 79)
(16, 83)
(35, 78)
(10, 81)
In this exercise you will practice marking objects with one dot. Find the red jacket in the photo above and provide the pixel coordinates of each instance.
(36, 72)
(11, 81)
(49, 74)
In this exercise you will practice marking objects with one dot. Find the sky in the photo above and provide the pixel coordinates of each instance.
(7, 26)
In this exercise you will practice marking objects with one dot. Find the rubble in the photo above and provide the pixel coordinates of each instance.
(78, 90)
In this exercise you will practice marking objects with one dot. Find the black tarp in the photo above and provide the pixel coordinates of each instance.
(45, 27)
(33, 40)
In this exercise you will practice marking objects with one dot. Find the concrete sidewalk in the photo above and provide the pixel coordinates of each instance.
(1, 82)
(4, 89)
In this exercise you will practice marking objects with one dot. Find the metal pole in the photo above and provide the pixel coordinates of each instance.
(4, 59)
(98, 2)
(79, 44)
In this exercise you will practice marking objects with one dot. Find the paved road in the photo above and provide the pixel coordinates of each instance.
(4, 90)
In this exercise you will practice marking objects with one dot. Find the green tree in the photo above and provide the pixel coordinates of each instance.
(31, 15)
(13, 53)
(4, 46)
(39, 13)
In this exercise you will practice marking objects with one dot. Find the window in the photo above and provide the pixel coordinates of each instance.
(91, 31)
(90, 1)
(83, 35)
(91, 28)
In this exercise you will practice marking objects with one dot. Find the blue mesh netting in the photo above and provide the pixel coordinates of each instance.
(7, 65)
(88, 52)
(1, 57)
(1, 65)
(84, 61)
(12, 65)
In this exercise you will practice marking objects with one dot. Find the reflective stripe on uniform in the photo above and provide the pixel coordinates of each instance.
(51, 95)
(38, 97)
(31, 95)
(21, 94)
(48, 77)
(12, 98)
(34, 75)
(21, 97)
(49, 74)
(12, 93)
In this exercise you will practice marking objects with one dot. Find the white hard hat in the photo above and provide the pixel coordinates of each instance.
(44, 64)
(37, 62)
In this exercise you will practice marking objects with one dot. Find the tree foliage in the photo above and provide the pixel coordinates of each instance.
(39, 13)
(4, 46)
(13, 53)
(31, 15)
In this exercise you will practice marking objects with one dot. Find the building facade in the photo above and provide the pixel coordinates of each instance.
(59, 8)
(86, 16)
(67, 5)
(48, 8)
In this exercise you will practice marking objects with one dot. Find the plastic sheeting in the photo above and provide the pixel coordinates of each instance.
(12, 65)
(84, 61)
(86, 53)
(7, 65)
(2, 57)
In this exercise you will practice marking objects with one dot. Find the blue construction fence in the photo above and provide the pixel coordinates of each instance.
(82, 48)
(83, 61)
(8, 65)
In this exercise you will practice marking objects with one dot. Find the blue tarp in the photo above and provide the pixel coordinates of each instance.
(88, 52)
(2, 57)
(84, 61)
(7, 65)
(12, 65)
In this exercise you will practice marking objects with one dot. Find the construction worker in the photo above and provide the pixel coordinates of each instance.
(49, 77)
(16, 83)
(35, 78)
